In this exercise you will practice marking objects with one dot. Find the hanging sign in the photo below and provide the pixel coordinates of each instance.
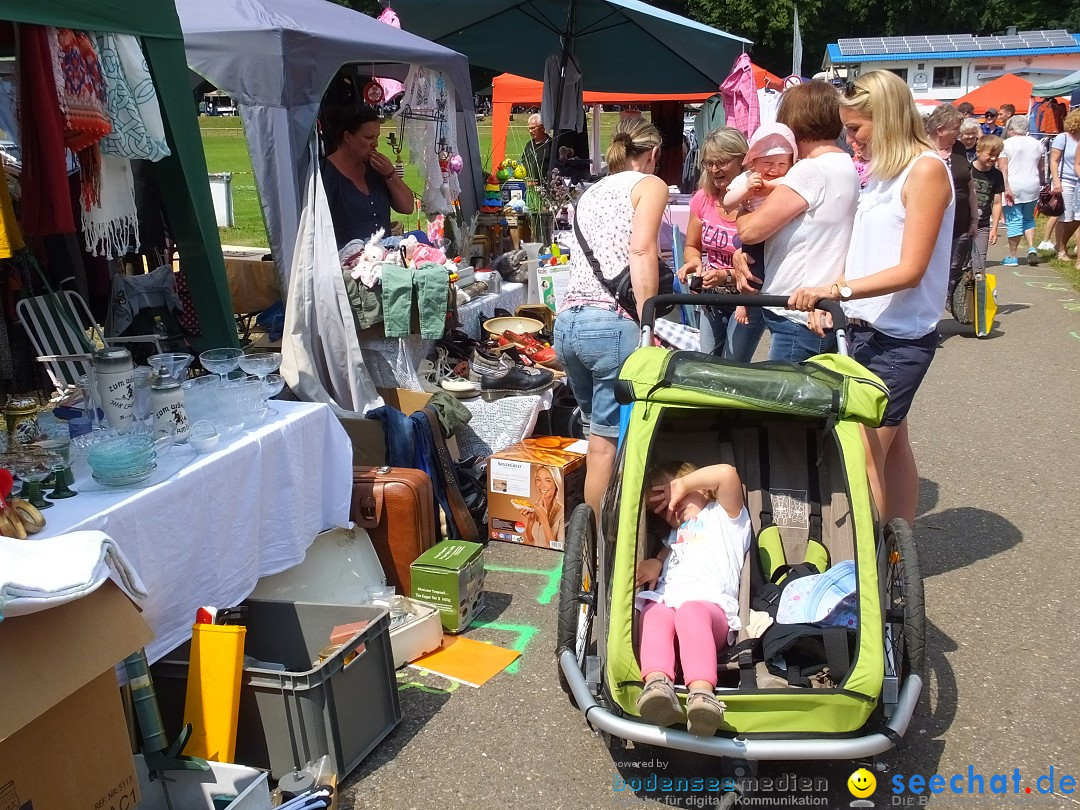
(373, 93)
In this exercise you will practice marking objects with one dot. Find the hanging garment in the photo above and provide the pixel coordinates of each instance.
(427, 91)
(740, 97)
(710, 117)
(45, 208)
(10, 235)
(81, 89)
(138, 131)
(571, 112)
(768, 104)
(111, 224)
(390, 87)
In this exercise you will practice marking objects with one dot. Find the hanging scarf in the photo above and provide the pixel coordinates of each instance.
(10, 236)
(81, 88)
(111, 225)
(45, 194)
(137, 128)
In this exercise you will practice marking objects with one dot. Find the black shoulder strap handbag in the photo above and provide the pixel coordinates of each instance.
(621, 287)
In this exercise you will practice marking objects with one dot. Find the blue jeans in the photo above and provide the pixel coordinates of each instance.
(722, 335)
(592, 345)
(793, 342)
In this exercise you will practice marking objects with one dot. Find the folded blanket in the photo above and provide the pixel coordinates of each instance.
(40, 574)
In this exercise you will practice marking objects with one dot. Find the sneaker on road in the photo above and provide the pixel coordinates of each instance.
(1033, 257)
(1010, 261)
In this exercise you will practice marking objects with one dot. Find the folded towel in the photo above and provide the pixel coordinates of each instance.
(40, 574)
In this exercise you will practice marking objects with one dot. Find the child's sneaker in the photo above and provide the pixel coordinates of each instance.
(704, 714)
(1010, 261)
(658, 703)
(1033, 257)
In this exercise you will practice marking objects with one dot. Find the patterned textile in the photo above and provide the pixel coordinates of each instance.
(390, 87)
(81, 89)
(427, 91)
(740, 97)
(137, 128)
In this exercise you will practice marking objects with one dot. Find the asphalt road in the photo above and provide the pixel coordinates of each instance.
(995, 428)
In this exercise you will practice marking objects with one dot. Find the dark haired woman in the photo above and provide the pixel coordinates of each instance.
(361, 185)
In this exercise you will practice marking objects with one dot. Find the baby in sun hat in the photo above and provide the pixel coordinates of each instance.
(771, 155)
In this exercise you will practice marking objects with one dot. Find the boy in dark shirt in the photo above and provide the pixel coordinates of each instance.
(989, 188)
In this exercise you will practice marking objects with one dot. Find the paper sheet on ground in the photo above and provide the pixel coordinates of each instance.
(466, 661)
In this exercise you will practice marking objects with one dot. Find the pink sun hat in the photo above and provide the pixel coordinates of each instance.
(771, 139)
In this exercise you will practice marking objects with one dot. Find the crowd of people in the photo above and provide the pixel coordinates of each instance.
(852, 197)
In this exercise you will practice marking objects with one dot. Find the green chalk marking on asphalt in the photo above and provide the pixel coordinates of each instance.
(431, 690)
(552, 574)
(523, 635)
(1075, 335)
(1054, 286)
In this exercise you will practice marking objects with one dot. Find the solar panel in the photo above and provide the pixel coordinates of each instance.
(1060, 39)
(951, 43)
(874, 47)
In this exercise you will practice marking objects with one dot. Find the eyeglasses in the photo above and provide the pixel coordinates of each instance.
(719, 164)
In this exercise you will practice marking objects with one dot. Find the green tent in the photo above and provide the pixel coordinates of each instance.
(182, 176)
(1059, 87)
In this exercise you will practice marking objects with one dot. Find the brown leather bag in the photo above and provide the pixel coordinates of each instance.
(396, 505)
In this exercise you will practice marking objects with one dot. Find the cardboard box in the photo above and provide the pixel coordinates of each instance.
(522, 478)
(63, 735)
(450, 575)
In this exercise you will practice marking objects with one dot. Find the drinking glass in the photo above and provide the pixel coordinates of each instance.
(32, 470)
(61, 471)
(272, 386)
(221, 361)
(261, 364)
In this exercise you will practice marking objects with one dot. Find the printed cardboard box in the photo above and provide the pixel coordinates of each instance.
(533, 487)
(450, 575)
(63, 737)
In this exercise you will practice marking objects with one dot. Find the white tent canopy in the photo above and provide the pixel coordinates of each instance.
(276, 58)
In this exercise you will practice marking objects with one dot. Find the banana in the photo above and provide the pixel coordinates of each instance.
(30, 515)
(11, 525)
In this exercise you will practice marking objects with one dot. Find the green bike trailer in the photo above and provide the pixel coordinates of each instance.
(793, 432)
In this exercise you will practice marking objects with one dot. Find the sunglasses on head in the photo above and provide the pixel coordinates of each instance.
(850, 89)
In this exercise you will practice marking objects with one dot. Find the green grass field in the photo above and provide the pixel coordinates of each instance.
(226, 151)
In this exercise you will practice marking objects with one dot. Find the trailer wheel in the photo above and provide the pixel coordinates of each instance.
(905, 615)
(577, 591)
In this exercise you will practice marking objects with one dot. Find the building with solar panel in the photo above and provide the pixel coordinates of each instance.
(945, 67)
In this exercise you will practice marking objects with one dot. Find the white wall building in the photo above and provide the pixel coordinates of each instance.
(946, 66)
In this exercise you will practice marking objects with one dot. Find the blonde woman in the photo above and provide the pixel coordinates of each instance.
(896, 272)
(619, 217)
(711, 239)
(544, 520)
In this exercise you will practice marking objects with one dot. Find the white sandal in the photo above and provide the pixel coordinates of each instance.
(440, 375)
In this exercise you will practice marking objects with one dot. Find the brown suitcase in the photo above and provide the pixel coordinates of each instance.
(396, 505)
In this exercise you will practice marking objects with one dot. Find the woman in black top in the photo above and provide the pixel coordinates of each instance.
(943, 127)
(361, 185)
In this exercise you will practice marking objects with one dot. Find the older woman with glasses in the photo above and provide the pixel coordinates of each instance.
(711, 242)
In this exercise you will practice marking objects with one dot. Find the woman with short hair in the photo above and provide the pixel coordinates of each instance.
(1021, 163)
(943, 127)
(896, 272)
(805, 222)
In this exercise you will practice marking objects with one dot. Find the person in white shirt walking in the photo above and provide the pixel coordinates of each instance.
(1021, 163)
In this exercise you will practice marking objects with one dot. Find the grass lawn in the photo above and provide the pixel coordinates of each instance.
(1067, 269)
(226, 151)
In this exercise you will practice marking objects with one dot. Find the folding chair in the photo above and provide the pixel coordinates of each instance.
(688, 315)
(57, 325)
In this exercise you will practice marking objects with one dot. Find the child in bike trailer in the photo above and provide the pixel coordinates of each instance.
(694, 594)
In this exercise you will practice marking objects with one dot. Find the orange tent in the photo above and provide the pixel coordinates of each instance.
(1007, 89)
(508, 89)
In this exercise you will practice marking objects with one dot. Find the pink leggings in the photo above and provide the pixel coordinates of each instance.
(702, 630)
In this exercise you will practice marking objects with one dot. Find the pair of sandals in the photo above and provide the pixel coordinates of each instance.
(659, 704)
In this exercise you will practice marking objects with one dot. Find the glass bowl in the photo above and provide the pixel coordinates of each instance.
(221, 361)
(203, 436)
(260, 363)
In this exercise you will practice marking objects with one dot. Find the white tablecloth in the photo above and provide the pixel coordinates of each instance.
(246, 510)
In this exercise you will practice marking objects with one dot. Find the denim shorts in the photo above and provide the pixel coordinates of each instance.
(901, 364)
(1019, 218)
(592, 345)
(793, 341)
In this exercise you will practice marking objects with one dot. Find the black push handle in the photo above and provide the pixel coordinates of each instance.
(648, 312)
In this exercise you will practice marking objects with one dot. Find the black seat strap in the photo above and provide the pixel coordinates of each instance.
(813, 485)
(763, 478)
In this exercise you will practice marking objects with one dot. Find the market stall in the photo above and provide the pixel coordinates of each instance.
(188, 208)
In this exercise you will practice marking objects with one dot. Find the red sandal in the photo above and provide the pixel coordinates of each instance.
(530, 347)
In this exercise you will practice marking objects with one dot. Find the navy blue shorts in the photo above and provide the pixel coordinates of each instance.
(901, 364)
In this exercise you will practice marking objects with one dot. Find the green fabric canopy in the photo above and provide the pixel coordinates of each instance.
(182, 176)
(1060, 87)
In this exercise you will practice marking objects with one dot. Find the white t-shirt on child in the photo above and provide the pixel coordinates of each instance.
(705, 563)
